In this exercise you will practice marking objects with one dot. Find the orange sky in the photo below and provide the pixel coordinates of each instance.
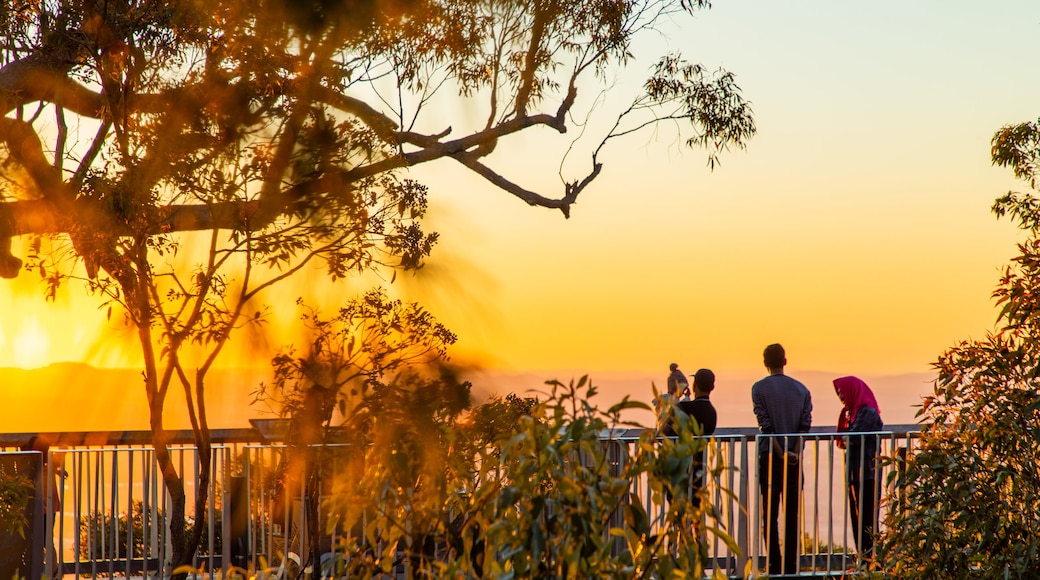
(855, 229)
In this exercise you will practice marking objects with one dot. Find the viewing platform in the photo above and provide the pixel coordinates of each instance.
(107, 509)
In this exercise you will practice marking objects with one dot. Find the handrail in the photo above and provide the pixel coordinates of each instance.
(255, 435)
(67, 439)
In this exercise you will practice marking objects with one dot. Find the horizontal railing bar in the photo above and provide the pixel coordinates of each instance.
(253, 435)
(101, 438)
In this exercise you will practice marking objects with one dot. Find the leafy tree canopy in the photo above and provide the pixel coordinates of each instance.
(145, 117)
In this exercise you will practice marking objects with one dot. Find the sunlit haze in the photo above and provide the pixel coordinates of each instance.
(855, 229)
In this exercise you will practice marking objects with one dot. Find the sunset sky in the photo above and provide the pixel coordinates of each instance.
(855, 229)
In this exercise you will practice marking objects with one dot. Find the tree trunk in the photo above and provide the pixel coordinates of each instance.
(174, 484)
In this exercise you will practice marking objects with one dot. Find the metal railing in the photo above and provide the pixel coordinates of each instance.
(829, 542)
(106, 511)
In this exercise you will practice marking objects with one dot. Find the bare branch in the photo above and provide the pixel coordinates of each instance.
(563, 204)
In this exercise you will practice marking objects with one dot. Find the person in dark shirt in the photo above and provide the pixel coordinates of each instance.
(700, 408)
(782, 406)
(860, 414)
(703, 414)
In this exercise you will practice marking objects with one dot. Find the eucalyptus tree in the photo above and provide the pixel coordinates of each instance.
(181, 156)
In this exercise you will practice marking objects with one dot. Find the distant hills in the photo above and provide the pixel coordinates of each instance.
(899, 396)
(79, 397)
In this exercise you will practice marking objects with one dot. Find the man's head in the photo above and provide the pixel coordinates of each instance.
(703, 382)
(774, 357)
(673, 366)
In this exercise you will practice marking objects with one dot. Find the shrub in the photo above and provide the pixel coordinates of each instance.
(15, 492)
(548, 496)
(972, 488)
(104, 535)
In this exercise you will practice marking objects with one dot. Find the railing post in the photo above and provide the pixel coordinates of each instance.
(236, 528)
(744, 535)
(227, 510)
(756, 514)
(48, 472)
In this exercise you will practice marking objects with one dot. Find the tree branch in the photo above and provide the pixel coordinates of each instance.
(42, 76)
(383, 126)
(527, 80)
(563, 204)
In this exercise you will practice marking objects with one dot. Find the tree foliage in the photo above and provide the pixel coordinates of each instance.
(368, 340)
(972, 486)
(358, 360)
(550, 497)
(16, 491)
(187, 115)
(1018, 147)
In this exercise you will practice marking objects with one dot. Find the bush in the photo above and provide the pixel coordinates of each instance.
(104, 535)
(544, 495)
(15, 492)
(972, 488)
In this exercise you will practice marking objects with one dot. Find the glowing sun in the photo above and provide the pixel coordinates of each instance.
(30, 344)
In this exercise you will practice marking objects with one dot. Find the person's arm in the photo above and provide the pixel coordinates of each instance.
(804, 424)
(843, 419)
(765, 423)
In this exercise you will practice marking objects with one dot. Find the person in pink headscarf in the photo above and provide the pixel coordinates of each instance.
(860, 414)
